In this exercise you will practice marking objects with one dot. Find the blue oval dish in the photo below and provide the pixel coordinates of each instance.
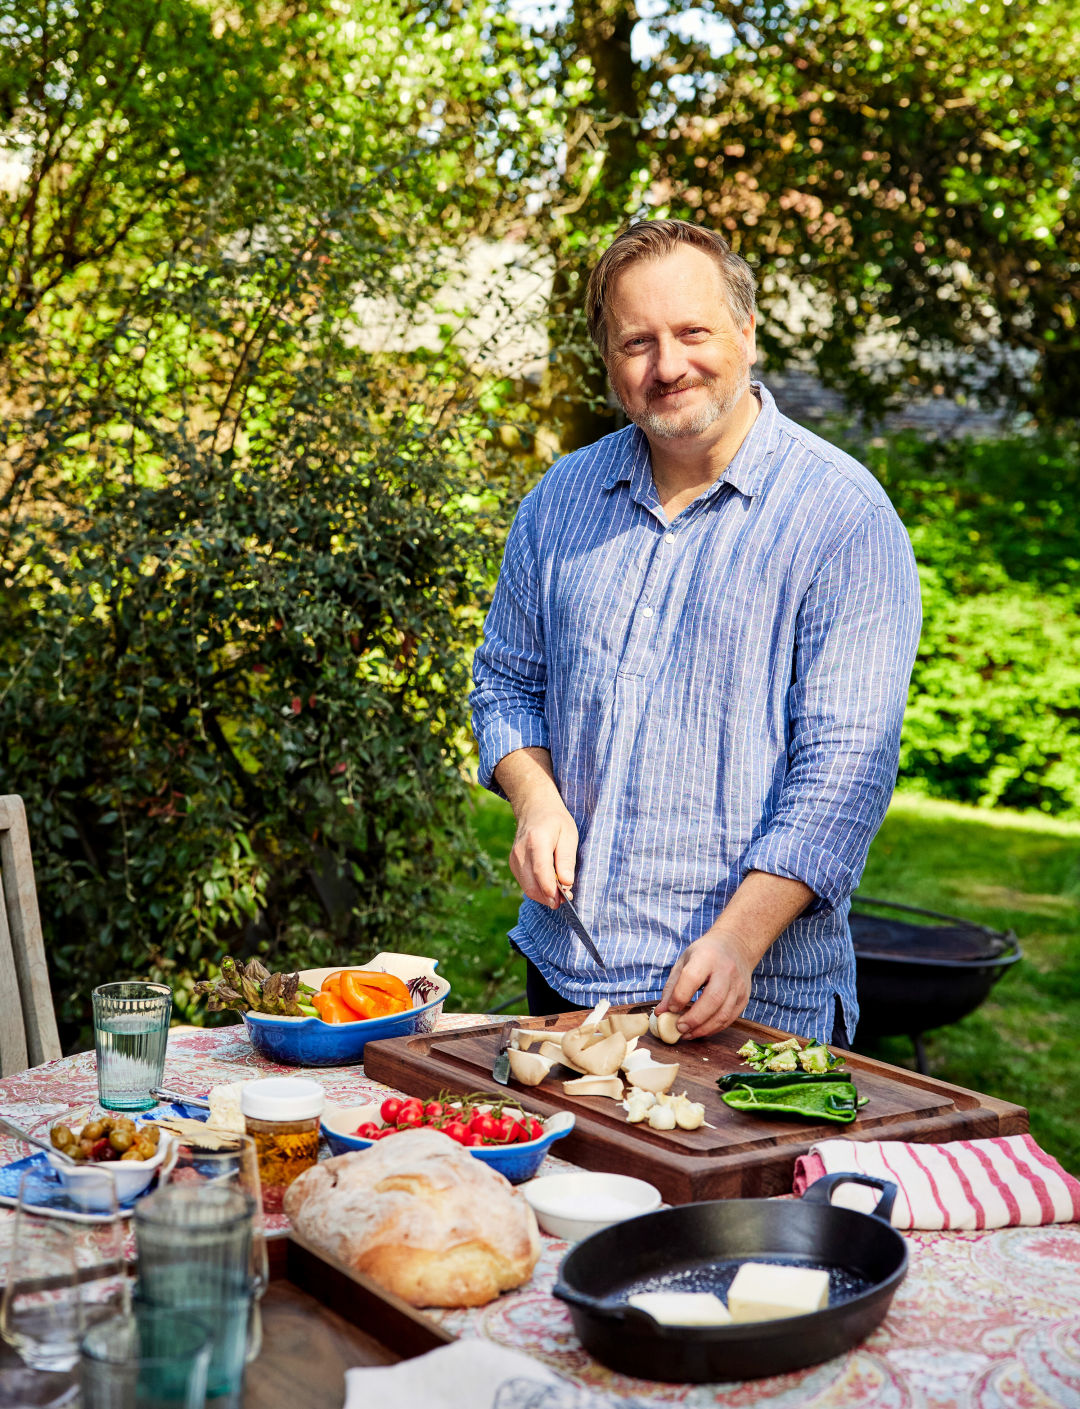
(310, 1042)
(515, 1162)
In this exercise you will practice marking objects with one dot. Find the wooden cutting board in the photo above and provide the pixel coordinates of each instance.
(736, 1155)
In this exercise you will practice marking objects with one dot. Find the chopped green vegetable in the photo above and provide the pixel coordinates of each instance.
(790, 1055)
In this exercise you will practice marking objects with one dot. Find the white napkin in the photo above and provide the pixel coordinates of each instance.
(469, 1374)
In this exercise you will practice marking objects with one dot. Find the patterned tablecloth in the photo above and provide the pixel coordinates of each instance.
(987, 1320)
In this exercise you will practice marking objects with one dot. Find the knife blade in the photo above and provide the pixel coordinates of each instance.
(578, 927)
(500, 1070)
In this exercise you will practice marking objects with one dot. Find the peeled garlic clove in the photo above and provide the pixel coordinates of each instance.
(638, 1104)
(661, 1118)
(529, 1068)
(689, 1115)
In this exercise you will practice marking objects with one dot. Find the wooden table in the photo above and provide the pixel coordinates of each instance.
(984, 1320)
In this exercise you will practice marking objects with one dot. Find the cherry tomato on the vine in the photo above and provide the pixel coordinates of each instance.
(484, 1127)
(389, 1109)
(535, 1128)
(368, 1130)
(456, 1130)
(434, 1111)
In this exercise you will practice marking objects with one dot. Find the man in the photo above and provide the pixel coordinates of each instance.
(694, 672)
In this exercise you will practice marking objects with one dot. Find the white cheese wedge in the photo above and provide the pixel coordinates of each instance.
(682, 1308)
(225, 1112)
(763, 1291)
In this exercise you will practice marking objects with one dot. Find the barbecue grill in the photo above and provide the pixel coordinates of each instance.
(913, 976)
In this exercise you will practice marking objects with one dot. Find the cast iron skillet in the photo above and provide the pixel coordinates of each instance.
(698, 1247)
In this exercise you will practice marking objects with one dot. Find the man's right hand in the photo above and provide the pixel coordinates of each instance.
(544, 851)
(545, 847)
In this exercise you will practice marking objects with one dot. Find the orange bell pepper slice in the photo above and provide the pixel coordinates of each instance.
(389, 984)
(331, 1008)
(332, 983)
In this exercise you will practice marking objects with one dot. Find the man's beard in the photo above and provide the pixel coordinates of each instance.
(723, 396)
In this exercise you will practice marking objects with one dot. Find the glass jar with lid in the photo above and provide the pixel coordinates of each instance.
(281, 1114)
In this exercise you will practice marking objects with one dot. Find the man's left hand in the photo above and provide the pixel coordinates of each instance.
(721, 966)
(722, 961)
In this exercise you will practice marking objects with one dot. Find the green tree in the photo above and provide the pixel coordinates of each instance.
(246, 540)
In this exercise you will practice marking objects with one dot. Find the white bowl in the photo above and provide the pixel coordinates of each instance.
(132, 1177)
(571, 1206)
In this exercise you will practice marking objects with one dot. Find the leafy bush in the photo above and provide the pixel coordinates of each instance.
(238, 603)
(994, 710)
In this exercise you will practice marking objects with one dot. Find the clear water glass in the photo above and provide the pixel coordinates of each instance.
(63, 1275)
(149, 1359)
(195, 1240)
(131, 1029)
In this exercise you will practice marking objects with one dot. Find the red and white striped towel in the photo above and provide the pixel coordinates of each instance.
(1002, 1183)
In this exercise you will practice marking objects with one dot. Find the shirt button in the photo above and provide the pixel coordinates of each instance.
(669, 538)
(646, 611)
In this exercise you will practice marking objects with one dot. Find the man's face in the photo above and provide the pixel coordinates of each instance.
(677, 362)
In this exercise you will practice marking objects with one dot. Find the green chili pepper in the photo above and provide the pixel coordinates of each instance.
(818, 1100)
(767, 1080)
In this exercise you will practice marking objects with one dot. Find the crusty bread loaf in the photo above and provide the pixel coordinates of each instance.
(422, 1217)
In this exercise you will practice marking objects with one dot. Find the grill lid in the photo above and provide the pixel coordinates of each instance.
(955, 941)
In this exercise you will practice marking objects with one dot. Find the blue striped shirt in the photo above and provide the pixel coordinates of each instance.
(720, 694)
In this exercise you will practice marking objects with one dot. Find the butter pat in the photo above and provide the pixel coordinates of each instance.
(762, 1291)
(682, 1308)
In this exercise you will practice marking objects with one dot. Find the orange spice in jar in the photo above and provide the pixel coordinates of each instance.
(281, 1114)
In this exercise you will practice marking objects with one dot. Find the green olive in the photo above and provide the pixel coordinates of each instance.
(94, 1131)
(132, 1154)
(145, 1149)
(61, 1137)
(121, 1139)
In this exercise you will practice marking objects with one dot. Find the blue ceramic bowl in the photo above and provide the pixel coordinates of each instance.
(516, 1162)
(310, 1042)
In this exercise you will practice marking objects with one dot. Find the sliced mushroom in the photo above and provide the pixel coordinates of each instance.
(656, 1077)
(640, 1057)
(630, 1024)
(525, 1037)
(529, 1068)
(594, 1086)
(598, 1058)
(555, 1052)
(665, 1027)
(598, 1014)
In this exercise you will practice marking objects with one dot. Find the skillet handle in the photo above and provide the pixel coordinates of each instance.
(586, 1303)
(820, 1191)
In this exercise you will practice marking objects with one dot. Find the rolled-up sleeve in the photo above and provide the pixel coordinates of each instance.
(509, 669)
(856, 637)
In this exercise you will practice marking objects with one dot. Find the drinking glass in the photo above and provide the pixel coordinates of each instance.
(202, 1251)
(149, 1359)
(131, 1028)
(63, 1275)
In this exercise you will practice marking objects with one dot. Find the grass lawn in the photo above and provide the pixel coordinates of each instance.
(1005, 869)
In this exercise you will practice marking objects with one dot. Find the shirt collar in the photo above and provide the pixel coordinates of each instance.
(746, 472)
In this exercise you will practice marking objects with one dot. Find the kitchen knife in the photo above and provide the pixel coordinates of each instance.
(577, 926)
(500, 1072)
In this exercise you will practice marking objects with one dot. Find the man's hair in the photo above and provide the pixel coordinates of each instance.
(654, 239)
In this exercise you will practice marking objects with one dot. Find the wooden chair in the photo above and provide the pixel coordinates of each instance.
(28, 1033)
